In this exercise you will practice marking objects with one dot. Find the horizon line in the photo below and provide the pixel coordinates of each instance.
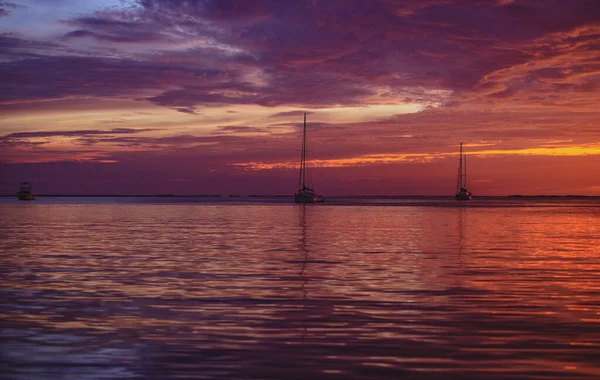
(291, 196)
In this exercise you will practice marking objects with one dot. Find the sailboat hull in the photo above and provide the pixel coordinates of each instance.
(25, 196)
(463, 197)
(302, 198)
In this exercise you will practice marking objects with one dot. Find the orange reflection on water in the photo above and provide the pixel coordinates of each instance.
(487, 289)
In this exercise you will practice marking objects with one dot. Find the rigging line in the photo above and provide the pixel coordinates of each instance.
(304, 154)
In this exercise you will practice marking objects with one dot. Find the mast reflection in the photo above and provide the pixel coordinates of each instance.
(461, 222)
(460, 270)
(305, 254)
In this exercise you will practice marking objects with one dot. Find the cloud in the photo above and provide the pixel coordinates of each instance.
(114, 131)
(508, 76)
(186, 110)
(115, 30)
(240, 129)
(224, 10)
(412, 146)
(72, 77)
(113, 38)
(13, 48)
(292, 113)
(7, 7)
(186, 55)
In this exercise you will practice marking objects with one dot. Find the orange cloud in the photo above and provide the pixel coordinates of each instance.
(567, 151)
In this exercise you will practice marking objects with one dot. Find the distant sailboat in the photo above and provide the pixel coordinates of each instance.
(462, 194)
(25, 193)
(304, 194)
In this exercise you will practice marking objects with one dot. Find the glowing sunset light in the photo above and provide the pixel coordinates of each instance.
(550, 151)
(214, 91)
(425, 157)
(341, 162)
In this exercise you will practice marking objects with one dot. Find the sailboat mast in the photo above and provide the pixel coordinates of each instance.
(304, 154)
(465, 174)
(300, 177)
(459, 180)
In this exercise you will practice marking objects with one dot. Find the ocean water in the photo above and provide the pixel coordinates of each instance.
(159, 288)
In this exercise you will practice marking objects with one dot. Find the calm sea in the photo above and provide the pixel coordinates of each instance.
(158, 288)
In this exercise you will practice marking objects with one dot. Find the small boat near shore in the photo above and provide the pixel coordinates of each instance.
(25, 192)
(462, 194)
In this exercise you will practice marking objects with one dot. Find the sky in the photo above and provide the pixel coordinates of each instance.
(208, 96)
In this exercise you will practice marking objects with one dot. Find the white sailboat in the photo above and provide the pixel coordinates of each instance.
(462, 194)
(304, 194)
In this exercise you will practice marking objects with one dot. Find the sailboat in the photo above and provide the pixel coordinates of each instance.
(462, 194)
(304, 194)
(25, 193)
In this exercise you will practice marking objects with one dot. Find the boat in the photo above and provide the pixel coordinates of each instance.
(462, 194)
(304, 194)
(25, 193)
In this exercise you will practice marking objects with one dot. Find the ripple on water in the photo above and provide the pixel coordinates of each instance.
(427, 291)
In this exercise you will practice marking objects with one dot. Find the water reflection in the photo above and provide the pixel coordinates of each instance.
(304, 250)
(299, 291)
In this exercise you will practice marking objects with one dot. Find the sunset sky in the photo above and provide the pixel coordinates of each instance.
(207, 96)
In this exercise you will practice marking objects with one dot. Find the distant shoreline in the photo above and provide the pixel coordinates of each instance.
(236, 196)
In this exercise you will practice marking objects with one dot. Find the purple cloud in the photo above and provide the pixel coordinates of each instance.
(310, 56)
(240, 129)
(6, 8)
(298, 113)
(114, 131)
